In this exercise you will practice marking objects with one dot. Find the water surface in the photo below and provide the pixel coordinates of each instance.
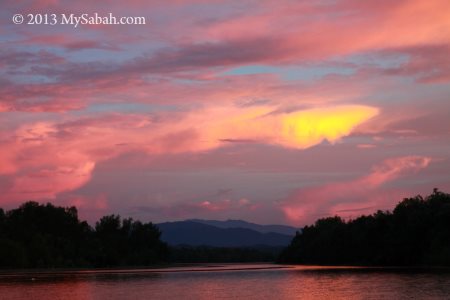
(229, 281)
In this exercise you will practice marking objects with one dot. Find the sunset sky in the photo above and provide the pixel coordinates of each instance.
(266, 111)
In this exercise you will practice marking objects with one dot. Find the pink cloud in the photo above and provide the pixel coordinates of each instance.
(77, 146)
(306, 205)
(90, 207)
(277, 34)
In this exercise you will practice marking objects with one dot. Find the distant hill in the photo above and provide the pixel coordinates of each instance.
(200, 234)
(282, 229)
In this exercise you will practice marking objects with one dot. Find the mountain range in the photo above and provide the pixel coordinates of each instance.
(230, 233)
(282, 229)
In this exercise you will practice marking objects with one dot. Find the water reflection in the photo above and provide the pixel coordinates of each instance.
(229, 282)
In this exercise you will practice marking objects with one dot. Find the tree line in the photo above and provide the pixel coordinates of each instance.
(46, 236)
(43, 236)
(416, 232)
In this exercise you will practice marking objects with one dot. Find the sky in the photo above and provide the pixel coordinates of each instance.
(267, 111)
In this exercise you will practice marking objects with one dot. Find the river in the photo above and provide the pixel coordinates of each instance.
(229, 281)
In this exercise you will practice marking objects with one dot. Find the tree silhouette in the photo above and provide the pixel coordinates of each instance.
(417, 232)
(36, 235)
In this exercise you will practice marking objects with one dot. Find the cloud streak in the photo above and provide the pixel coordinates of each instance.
(305, 205)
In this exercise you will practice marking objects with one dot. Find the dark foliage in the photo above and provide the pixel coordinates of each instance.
(41, 236)
(417, 232)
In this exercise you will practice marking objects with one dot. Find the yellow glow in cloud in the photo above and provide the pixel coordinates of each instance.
(307, 128)
(300, 129)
